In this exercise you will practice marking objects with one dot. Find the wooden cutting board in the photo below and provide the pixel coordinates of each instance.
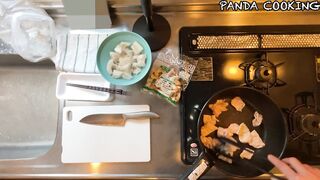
(82, 143)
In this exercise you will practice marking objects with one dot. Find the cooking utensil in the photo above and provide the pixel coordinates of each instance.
(240, 145)
(238, 158)
(63, 91)
(96, 88)
(273, 132)
(117, 119)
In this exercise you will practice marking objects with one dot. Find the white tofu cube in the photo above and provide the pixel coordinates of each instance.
(121, 46)
(116, 74)
(136, 71)
(136, 47)
(141, 60)
(123, 60)
(114, 55)
(110, 66)
(126, 75)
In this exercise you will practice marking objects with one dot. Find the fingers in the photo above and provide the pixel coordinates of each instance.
(306, 166)
(282, 166)
(312, 169)
(296, 165)
(316, 171)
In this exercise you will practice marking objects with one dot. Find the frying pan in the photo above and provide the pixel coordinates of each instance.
(273, 132)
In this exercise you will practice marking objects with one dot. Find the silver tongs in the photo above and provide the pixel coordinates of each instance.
(96, 88)
(248, 162)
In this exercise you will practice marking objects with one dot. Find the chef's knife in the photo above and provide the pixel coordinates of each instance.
(117, 119)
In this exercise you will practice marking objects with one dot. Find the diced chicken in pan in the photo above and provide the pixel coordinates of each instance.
(211, 124)
(255, 140)
(209, 142)
(208, 129)
(224, 132)
(238, 104)
(244, 133)
(209, 119)
(233, 128)
(246, 154)
(218, 107)
(257, 119)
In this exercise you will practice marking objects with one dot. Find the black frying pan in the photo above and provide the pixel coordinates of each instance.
(273, 132)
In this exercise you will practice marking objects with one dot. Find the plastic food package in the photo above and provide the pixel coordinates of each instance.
(170, 75)
(28, 29)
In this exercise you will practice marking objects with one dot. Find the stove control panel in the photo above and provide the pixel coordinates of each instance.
(194, 150)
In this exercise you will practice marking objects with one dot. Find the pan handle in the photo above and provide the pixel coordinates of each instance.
(198, 168)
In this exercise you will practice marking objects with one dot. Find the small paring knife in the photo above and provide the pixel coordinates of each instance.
(117, 119)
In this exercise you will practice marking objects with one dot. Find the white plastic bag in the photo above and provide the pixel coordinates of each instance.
(28, 29)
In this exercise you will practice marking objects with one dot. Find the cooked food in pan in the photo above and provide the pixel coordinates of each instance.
(219, 107)
(224, 132)
(255, 140)
(246, 154)
(207, 129)
(237, 103)
(230, 124)
(210, 142)
(233, 128)
(257, 119)
(244, 133)
(240, 130)
(209, 122)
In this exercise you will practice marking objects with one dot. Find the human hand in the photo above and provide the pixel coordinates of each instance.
(293, 169)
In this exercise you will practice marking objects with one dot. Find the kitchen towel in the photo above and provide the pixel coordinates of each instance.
(77, 52)
(77, 49)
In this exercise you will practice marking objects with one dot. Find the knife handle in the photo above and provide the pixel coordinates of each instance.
(139, 115)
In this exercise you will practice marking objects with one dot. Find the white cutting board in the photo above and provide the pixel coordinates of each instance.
(82, 143)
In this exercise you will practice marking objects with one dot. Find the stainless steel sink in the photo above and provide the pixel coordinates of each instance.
(28, 107)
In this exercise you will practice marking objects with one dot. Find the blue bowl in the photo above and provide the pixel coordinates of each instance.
(109, 44)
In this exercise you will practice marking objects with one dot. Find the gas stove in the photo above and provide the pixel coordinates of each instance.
(282, 62)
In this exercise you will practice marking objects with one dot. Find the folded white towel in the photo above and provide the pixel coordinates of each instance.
(77, 52)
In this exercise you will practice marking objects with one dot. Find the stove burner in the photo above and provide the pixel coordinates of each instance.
(304, 123)
(304, 119)
(311, 124)
(261, 73)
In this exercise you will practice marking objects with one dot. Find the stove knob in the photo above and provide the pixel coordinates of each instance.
(194, 151)
(193, 145)
(194, 42)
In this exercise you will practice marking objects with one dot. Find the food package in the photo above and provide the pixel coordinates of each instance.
(28, 29)
(170, 75)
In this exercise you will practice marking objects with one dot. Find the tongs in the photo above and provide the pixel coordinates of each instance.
(248, 162)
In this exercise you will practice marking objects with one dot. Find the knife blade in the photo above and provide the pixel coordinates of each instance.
(117, 119)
